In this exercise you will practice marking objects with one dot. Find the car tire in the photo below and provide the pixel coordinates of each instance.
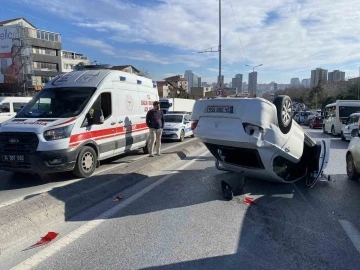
(182, 135)
(193, 136)
(324, 131)
(283, 106)
(350, 168)
(333, 131)
(146, 148)
(311, 126)
(85, 163)
(342, 136)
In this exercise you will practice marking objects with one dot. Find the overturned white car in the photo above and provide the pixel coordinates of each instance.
(259, 139)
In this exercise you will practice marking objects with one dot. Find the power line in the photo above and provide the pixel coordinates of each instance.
(241, 45)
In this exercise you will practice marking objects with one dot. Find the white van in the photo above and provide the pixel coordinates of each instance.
(77, 120)
(337, 113)
(10, 106)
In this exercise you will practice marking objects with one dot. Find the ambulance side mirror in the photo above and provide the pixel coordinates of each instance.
(98, 117)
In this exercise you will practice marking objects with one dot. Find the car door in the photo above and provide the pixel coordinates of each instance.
(103, 134)
(354, 123)
(187, 122)
(348, 127)
(323, 160)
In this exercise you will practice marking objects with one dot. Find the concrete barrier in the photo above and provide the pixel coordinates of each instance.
(28, 217)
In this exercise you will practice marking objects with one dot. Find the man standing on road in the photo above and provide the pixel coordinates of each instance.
(155, 122)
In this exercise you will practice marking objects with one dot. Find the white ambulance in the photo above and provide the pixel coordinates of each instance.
(78, 119)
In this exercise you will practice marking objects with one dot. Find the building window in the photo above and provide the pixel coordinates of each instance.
(47, 36)
(44, 51)
(45, 66)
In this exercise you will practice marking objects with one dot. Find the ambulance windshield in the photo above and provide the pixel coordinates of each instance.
(57, 103)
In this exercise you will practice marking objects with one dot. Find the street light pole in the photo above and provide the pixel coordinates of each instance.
(219, 46)
(219, 80)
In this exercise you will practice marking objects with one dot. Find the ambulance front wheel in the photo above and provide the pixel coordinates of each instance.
(85, 163)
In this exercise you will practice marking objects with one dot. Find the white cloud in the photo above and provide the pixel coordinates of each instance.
(102, 46)
(306, 34)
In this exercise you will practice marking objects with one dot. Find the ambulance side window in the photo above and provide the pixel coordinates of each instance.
(103, 102)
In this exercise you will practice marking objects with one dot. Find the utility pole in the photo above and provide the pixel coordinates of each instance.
(219, 46)
(219, 80)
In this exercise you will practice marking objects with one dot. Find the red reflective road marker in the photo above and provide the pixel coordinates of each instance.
(249, 200)
(117, 198)
(46, 239)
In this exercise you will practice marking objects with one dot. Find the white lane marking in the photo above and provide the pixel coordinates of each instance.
(42, 255)
(44, 190)
(352, 233)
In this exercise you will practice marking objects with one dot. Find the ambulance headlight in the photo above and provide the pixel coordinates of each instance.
(58, 133)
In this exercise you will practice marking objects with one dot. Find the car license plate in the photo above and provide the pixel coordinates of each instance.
(14, 158)
(220, 109)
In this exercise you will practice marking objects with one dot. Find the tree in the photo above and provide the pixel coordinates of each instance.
(145, 73)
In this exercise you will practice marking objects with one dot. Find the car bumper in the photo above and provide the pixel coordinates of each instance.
(41, 162)
(170, 135)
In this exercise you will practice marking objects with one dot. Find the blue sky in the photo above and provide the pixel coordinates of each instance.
(289, 37)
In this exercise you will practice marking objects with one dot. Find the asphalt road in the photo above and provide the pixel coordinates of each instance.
(14, 188)
(179, 220)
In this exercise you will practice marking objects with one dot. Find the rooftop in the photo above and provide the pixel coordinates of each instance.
(3, 23)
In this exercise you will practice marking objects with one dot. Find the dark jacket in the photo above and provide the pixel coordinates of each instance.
(155, 119)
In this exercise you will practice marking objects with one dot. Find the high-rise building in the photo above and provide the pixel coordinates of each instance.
(195, 81)
(305, 83)
(245, 87)
(295, 82)
(336, 76)
(189, 76)
(204, 84)
(318, 75)
(252, 83)
(237, 83)
(199, 82)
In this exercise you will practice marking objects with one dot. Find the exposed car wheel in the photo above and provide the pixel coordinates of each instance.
(333, 131)
(311, 126)
(283, 106)
(146, 148)
(350, 168)
(182, 135)
(342, 136)
(85, 163)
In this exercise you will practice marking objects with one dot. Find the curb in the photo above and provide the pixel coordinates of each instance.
(26, 218)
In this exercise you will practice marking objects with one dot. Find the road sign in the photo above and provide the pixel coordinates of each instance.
(220, 89)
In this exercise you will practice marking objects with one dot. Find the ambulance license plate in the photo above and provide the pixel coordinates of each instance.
(14, 158)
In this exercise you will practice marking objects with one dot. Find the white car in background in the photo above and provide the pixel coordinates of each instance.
(177, 127)
(350, 127)
(259, 139)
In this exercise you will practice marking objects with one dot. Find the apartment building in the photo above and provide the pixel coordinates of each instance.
(36, 54)
(70, 59)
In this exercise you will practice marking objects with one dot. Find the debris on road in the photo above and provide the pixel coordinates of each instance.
(117, 198)
(45, 240)
(249, 200)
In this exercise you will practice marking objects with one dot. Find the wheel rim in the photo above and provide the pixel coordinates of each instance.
(87, 162)
(286, 112)
(182, 135)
